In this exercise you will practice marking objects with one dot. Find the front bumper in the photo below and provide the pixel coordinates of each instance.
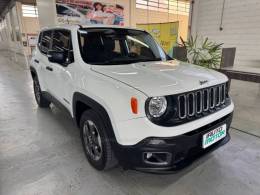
(181, 150)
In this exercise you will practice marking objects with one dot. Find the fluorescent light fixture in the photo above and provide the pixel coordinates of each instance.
(29, 11)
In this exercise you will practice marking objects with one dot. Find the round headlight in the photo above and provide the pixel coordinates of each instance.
(157, 106)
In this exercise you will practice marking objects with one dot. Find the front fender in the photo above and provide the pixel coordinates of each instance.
(108, 96)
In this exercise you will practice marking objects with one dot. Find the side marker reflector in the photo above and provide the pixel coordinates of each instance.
(134, 105)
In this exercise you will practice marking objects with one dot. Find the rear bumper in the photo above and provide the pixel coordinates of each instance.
(180, 150)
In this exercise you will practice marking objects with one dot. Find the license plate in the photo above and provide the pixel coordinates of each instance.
(214, 136)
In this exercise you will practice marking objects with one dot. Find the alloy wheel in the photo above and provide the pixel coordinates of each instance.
(92, 140)
(37, 90)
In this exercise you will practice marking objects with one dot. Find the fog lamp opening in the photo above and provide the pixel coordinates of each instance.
(157, 158)
(156, 142)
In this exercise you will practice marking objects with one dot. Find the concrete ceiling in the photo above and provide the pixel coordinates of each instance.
(3, 4)
(33, 2)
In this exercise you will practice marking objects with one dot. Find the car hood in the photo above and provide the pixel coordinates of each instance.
(162, 78)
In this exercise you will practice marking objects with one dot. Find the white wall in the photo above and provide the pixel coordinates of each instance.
(46, 12)
(133, 16)
(241, 28)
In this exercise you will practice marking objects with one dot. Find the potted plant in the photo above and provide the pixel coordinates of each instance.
(203, 52)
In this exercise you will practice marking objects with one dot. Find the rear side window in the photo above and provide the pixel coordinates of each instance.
(45, 41)
(62, 42)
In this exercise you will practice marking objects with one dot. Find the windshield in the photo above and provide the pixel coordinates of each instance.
(110, 46)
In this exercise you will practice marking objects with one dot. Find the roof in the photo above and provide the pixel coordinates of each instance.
(77, 26)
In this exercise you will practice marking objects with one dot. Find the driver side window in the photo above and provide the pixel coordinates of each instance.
(45, 42)
(62, 42)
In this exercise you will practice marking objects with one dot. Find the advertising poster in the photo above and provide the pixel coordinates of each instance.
(89, 12)
(32, 40)
(165, 33)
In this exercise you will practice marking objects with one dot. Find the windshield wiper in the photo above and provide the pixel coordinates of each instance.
(128, 61)
(107, 62)
(149, 60)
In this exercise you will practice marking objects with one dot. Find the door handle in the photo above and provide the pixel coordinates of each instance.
(36, 61)
(49, 68)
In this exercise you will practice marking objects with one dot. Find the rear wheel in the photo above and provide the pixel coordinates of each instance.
(96, 144)
(40, 99)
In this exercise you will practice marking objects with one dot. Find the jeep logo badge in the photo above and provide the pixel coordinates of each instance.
(203, 82)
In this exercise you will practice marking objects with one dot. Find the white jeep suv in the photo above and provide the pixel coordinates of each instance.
(134, 105)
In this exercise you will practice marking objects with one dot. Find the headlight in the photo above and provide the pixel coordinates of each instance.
(157, 106)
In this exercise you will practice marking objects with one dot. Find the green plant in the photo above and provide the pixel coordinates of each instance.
(203, 52)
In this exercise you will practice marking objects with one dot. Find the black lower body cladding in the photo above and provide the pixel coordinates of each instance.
(171, 153)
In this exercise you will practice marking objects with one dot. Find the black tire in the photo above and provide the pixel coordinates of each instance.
(40, 99)
(107, 159)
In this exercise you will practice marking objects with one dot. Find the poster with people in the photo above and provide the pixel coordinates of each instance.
(89, 12)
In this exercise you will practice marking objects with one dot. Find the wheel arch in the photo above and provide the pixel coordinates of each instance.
(33, 72)
(82, 102)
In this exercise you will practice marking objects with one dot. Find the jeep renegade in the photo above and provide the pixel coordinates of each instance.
(134, 105)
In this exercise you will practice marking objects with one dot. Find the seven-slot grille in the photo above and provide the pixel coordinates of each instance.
(201, 101)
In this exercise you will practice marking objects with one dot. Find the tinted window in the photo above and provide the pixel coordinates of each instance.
(45, 41)
(62, 42)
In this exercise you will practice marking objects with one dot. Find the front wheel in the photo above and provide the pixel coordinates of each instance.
(40, 99)
(95, 141)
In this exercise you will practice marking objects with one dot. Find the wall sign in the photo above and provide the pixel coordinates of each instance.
(89, 12)
(165, 33)
(32, 40)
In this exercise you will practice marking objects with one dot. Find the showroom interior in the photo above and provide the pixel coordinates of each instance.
(41, 150)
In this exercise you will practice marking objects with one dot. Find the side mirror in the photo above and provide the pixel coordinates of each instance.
(58, 57)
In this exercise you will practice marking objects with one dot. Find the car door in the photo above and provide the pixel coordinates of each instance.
(42, 59)
(35, 60)
(60, 81)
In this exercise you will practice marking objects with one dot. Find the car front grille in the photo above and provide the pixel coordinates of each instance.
(201, 101)
(193, 105)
